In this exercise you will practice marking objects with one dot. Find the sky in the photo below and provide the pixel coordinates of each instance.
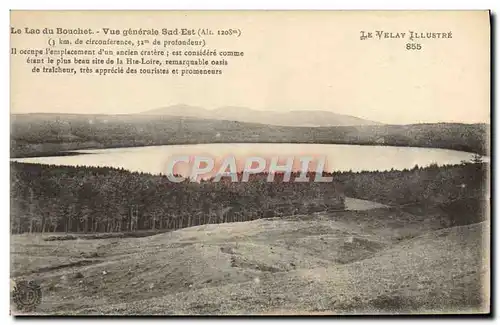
(292, 60)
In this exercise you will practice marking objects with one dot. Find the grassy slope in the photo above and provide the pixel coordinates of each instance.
(381, 260)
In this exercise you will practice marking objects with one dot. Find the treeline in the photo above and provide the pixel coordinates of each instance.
(49, 134)
(459, 191)
(431, 185)
(100, 199)
(48, 198)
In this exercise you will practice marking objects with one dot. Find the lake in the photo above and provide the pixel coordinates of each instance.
(154, 159)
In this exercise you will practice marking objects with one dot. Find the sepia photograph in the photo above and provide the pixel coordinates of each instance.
(194, 163)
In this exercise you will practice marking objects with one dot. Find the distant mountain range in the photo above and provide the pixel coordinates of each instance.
(243, 114)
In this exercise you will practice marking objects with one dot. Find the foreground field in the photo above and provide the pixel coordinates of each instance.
(375, 261)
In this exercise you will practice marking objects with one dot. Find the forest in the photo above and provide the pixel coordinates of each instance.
(48, 198)
(459, 193)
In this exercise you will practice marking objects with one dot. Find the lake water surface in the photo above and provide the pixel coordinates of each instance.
(338, 157)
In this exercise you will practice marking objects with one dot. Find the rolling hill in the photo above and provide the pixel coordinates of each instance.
(50, 134)
(243, 114)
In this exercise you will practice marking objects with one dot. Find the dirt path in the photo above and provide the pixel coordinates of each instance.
(359, 205)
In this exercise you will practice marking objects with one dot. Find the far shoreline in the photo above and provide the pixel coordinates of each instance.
(74, 152)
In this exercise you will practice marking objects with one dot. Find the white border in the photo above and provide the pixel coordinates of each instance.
(257, 4)
(199, 4)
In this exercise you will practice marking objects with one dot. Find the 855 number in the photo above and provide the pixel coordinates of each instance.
(413, 46)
